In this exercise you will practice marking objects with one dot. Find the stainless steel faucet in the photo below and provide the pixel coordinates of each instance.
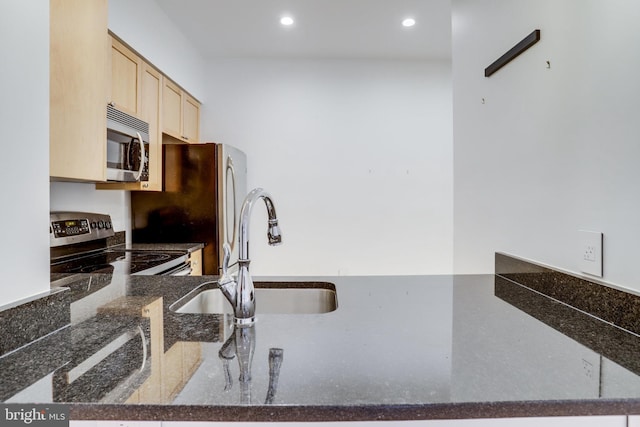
(241, 293)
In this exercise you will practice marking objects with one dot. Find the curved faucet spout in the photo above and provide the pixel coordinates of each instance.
(273, 231)
(244, 305)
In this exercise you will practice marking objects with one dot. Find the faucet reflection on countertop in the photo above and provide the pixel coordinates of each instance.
(241, 344)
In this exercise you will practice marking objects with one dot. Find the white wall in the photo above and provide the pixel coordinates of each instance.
(357, 155)
(145, 27)
(551, 151)
(24, 117)
(83, 197)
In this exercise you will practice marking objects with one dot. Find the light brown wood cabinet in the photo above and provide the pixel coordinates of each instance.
(170, 370)
(180, 113)
(89, 69)
(180, 362)
(79, 48)
(148, 101)
(191, 119)
(195, 258)
(126, 79)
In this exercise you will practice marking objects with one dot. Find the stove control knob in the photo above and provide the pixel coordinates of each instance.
(107, 224)
(94, 224)
(100, 225)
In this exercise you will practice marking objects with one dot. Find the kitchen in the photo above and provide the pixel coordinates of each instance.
(570, 180)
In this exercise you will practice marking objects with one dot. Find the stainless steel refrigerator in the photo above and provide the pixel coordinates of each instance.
(204, 186)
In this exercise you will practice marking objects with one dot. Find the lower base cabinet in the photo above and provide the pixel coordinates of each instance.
(596, 421)
(195, 258)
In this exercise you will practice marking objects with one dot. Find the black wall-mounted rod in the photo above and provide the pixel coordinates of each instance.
(525, 44)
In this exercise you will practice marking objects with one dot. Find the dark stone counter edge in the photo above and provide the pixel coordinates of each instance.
(28, 320)
(436, 411)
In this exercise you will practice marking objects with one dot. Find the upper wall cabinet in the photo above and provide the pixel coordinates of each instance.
(191, 119)
(151, 111)
(90, 69)
(136, 87)
(79, 48)
(181, 113)
(126, 76)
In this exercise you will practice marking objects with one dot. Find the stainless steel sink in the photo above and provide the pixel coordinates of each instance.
(271, 298)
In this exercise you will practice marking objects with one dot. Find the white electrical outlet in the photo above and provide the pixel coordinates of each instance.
(589, 253)
(590, 247)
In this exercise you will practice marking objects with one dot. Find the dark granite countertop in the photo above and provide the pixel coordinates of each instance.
(396, 348)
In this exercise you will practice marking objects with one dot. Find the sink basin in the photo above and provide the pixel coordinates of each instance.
(271, 298)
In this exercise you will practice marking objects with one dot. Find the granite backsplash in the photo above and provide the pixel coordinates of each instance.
(614, 306)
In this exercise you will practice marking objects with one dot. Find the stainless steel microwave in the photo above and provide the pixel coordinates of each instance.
(127, 147)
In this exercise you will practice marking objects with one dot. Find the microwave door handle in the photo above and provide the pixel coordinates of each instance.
(142, 156)
(127, 158)
(231, 168)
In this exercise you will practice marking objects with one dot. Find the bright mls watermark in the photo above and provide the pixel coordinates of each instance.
(47, 415)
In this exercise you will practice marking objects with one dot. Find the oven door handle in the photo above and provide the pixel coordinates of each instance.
(181, 270)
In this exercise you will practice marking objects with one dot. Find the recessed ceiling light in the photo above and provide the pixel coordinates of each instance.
(287, 21)
(408, 22)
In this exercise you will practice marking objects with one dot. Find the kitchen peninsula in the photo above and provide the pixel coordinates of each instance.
(396, 348)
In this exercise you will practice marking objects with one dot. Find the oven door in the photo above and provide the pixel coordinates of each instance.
(127, 158)
(175, 265)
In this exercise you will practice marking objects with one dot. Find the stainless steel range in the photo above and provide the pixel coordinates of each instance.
(79, 243)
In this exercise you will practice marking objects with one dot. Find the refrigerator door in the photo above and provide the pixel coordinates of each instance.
(232, 189)
(204, 186)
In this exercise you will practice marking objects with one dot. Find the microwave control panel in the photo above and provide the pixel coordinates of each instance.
(74, 227)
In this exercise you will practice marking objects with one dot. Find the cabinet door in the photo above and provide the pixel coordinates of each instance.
(150, 110)
(196, 262)
(180, 113)
(126, 76)
(191, 359)
(172, 109)
(79, 47)
(190, 119)
(172, 375)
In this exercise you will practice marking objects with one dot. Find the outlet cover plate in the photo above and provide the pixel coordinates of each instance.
(589, 252)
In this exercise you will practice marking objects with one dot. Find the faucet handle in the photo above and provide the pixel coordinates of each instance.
(226, 249)
(226, 283)
(225, 279)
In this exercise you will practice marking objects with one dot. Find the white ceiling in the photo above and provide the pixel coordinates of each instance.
(323, 28)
